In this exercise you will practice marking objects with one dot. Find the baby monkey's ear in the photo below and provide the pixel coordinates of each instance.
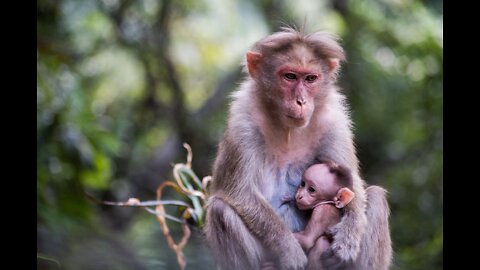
(344, 196)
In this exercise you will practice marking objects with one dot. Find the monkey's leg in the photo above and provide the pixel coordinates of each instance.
(321, 245)
(232, 244)
(376, 246)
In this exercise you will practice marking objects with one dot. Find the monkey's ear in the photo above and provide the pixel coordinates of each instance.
(344, 196)
(333, 63)
(253, 59)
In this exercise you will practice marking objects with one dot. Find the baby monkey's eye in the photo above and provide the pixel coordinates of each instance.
(302, 184)
(311, 189)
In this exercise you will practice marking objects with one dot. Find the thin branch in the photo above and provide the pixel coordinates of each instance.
(170, 217)
(48, 258)
(137, 203)
(147, 203)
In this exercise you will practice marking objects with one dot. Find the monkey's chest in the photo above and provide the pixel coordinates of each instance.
(280, 189)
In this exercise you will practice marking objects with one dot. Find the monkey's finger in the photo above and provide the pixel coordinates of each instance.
(330, 260)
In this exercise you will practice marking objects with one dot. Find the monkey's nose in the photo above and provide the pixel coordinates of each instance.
(301, 101)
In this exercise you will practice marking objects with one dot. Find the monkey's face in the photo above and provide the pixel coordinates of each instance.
(298, 86)
(299, 81)
(318, 185)
(294, 80)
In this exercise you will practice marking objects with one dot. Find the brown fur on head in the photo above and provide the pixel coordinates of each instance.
(323, 45)
(343, 174)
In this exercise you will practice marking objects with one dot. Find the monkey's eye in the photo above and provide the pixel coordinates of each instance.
(302, 184)
(311, 78)
(290, 76)
(311, 190)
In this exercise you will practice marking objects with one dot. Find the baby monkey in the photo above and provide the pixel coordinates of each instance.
(325, 188)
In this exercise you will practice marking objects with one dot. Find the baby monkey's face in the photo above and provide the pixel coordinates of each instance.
(318, 185)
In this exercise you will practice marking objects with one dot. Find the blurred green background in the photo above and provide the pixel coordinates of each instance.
(122, 84)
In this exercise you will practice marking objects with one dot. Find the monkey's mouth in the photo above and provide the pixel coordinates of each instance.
(295, 117)
(297, 121)
(302, 206)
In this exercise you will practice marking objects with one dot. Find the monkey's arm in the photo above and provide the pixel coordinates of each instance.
(304, 240)
(323, 216)
(235, 178)
(266, 226)
(348, 233)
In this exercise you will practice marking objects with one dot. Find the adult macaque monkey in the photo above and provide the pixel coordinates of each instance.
(286, 116)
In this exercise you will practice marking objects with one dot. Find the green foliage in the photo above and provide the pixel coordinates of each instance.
(122, 84)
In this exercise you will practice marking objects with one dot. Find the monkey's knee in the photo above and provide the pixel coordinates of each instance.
(221, 218)
(377, 195)
(322, 244)
(215, 214)
(376, 249)
(232, 244)
(378, 211)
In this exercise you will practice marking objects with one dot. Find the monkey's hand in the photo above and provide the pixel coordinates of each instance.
(304, 241)
(346, 236)
(329, 260)
(292, 257)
